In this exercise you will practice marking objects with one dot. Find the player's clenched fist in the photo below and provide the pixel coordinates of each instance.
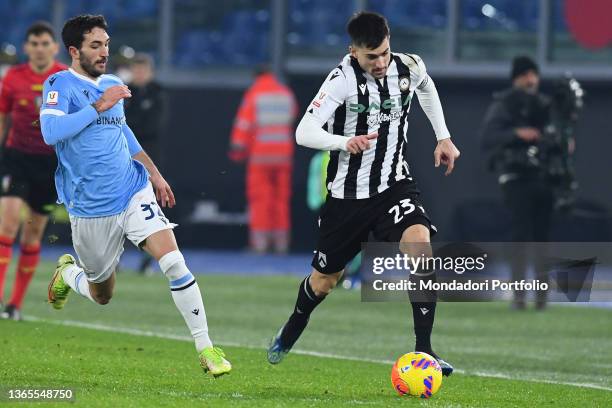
(358, 144)
(111, 96)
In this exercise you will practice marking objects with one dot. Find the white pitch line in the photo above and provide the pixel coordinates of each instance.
(147, 333)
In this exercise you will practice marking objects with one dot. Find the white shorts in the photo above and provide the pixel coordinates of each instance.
(98, 242)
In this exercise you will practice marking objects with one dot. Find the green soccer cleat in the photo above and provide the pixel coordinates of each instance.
(212, 360)
(58, 289)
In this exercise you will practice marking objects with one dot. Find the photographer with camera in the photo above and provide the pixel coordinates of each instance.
(516, 134)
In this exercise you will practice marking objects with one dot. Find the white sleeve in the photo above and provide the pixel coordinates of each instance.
(309, 132)
(428, 98)
(430, 102)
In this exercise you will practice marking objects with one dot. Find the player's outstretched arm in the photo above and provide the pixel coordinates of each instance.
(163, 192)
(56, 125)
(445, 153)
(310, 134)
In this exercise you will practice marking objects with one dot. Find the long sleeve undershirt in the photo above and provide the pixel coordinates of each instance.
(57, 125)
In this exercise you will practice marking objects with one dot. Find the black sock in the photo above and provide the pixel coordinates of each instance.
(305, 304)
(423, 313)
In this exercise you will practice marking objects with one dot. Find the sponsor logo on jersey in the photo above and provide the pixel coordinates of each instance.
(378, 118)
(394, 102)
(111, 120)
(52, 97)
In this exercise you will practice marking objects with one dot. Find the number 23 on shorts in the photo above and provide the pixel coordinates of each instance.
(402, 209)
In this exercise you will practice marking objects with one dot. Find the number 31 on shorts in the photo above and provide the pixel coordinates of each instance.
(404, 207)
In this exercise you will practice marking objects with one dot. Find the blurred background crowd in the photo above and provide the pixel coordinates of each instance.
(189, 64)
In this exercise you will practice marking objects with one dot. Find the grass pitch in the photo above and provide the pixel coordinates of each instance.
(136, 350)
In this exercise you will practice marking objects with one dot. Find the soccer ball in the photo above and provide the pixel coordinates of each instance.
(417, 374)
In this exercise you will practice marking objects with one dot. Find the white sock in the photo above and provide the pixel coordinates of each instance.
(187, 297)
(76, 279)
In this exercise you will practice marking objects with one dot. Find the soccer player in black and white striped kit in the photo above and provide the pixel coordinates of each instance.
(360, 116)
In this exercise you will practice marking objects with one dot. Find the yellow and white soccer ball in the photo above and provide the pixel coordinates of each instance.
(417, 374)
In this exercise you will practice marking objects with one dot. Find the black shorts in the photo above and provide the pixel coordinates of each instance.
(345, 224)
(30, 177)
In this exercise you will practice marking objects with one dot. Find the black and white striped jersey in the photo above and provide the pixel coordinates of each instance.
(352, 102)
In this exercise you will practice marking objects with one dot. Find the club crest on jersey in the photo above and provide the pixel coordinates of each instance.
(322, 260)
(404, 83)
(52, 97)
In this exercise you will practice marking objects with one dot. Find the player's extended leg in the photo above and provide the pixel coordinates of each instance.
(415, 241)
(68, 275)
(187, 297)
(99, 245)
(9, 225)
(312, 291)
(29, 257)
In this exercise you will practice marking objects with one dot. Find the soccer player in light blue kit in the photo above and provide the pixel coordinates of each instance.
(106, 181)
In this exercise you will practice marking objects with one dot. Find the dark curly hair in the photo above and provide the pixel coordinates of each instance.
(75, 29)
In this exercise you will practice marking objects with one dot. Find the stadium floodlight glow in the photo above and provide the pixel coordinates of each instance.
(9, 49)
(127, 51)
(488, 10)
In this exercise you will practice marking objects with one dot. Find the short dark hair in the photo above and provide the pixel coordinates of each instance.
(521, 65)
(38, 28)
(75, 29)
(367, 29)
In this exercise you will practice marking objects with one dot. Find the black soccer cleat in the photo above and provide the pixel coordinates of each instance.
(447, 368)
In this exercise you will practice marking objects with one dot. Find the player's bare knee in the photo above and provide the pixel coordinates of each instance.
(102, 298)
(415, 241)
(31, 239)
(9, 228)
(322, 284)
(416, 233)
(322, 287)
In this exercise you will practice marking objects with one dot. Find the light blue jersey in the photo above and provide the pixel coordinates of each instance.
(96, 175)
